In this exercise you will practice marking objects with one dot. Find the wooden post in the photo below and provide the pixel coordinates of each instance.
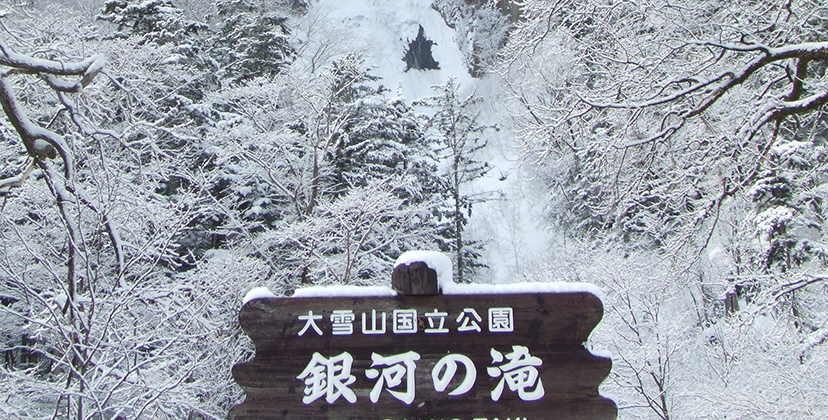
(416, 278)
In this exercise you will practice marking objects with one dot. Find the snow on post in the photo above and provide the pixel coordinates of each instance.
(422, 273)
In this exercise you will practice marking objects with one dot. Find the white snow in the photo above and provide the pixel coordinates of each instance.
(521, 288)
(449, 288)
(98, 63)
(61, 298)
(436, 261)
(770, 219)
(381, 30)
(257, 293)
(599, 352)
(788, 147)
(344, 291)
(806, 47)
(441, 263)
(173, 59)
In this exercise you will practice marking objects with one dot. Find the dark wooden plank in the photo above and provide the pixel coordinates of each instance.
(564, 319)
(585, 409)
(551, 326)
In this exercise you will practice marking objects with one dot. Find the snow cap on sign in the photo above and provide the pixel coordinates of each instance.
(436, 261)
(257, 293)
(344, 291)
(523, 288)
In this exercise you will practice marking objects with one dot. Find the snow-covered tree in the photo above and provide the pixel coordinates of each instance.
(350, 239)
(691, 132)
(157, 21)
(251, 40)
(293, 146)
(655, 118)
(455, 131)
(381, 138)
(482, 28)
(647, 87)
(96, 321)
(182, 41)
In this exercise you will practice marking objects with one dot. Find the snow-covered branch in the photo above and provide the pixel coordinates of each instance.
(783, 290)
(703, 93)
(88, 68)
(42, 143)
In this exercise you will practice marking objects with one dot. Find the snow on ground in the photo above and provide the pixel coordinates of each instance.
(513, 220)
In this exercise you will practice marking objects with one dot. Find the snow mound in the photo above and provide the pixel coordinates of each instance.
(257, 293)
(436, 261)
(343, 291)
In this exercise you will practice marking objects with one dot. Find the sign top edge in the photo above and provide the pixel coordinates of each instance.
(525, 288)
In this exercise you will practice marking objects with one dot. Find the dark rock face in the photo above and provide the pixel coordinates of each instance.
(418, 56)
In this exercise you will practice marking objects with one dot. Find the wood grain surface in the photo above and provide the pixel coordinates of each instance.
(551, 326)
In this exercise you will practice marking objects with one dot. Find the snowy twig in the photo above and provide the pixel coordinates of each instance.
(15, 181)
(714, 88)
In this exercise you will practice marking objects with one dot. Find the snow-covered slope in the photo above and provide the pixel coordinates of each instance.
(380, 30)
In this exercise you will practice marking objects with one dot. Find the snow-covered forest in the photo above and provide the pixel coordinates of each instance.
(160, 158)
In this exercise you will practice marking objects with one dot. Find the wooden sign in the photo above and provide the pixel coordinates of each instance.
(470, 357)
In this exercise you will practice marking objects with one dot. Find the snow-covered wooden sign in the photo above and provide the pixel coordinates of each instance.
(471, 352)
